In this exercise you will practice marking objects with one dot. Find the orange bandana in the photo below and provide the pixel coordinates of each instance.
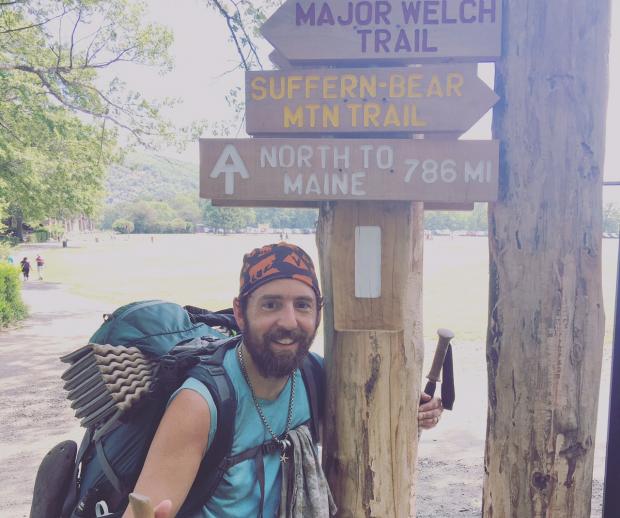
(277, 261)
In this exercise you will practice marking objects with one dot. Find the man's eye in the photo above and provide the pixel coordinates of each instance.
(303, 306)
(270, 305)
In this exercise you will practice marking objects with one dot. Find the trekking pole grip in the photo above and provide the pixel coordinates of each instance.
(141, 506)
(445, 335)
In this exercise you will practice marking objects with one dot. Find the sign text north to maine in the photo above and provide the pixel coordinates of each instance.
(425, 99)
(348, 169)
(404, 31)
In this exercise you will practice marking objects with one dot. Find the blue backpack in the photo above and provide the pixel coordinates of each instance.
(171, 343)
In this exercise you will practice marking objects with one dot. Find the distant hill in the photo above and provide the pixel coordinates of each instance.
(155, 177)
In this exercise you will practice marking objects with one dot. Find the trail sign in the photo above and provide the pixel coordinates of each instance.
(425, 99)
(348, 169)
(372, 31)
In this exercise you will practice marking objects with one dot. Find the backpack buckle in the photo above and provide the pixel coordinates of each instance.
(168, 370)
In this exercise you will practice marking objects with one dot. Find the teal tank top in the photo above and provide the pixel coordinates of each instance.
(238, 495)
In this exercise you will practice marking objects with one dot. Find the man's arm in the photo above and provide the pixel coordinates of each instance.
(176, 452)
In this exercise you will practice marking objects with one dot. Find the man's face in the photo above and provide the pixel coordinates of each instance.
(278, 324)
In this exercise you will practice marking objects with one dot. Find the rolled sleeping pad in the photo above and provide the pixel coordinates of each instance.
(52, 481)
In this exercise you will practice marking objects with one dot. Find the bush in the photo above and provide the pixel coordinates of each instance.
(178, 226)
(12, 307)
(41, 235)
(123, 226)
(57, 231)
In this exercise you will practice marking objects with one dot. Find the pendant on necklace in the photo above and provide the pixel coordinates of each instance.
(284, 445)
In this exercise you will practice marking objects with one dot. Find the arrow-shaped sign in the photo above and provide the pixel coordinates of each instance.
(230, 163)
(407, 31)
(424, 99)
(301, 170)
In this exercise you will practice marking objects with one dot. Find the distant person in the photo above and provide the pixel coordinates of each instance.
(25, 265)
(40, 265)
(10, 259)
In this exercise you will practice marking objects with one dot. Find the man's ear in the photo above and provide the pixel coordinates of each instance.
(318, 314)
(238, 313)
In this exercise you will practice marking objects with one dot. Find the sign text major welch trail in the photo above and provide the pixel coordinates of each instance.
(369, 31)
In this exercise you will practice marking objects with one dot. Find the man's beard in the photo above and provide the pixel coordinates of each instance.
(271, 364)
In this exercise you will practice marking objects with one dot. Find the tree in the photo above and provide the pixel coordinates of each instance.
(546, 322)
(52, 55)
(187, 207)
(228, 218)
(123, 226)
(611, 218)
(59, 48)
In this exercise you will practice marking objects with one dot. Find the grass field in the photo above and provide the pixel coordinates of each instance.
(203, 270)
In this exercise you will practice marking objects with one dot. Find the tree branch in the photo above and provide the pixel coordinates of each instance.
(77, 22)
(229, 23)
(247, 36)
(40, 24)
(137, 133)
(8, 129)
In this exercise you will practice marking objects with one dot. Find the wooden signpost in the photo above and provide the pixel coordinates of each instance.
(367, 32)
(426, 99)
(348, 169)
(370, 189)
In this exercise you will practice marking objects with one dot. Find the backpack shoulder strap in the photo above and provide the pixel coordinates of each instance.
(313, 374)
(210, 371)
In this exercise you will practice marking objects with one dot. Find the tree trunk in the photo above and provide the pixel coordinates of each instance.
(546, 322)
(18, 220)
(373, 353)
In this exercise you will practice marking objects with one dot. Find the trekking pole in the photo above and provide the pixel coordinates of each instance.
(141, 506)
(442, 361)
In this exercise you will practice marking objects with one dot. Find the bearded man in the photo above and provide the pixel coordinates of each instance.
(278, 310)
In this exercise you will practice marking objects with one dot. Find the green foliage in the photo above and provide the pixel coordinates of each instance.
(611, 218)
(56, 231)
(150, 177)
(228, 218)
(457, 220)
(40, 235)
(12, 307)
(123, 226)
(54, 50)
(59, 117)
(180, 226)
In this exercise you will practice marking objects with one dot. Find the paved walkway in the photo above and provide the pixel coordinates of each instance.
(33, 410)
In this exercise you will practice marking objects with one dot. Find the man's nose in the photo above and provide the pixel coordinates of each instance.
(288, 318)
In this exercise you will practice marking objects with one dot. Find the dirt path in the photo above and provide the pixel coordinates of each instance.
(35, 415)
(33, 410)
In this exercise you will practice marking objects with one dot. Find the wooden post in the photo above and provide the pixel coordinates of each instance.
(373, 351)
(545, 334)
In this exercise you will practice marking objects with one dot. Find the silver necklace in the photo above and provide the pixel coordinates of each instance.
(282, 442)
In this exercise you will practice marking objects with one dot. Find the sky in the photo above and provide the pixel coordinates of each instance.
(204, 59)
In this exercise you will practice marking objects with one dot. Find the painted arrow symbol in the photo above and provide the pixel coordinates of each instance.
(385, 31)
(424, 99)
(230, 163)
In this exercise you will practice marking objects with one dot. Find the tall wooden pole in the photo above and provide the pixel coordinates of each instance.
(545, 334)
(373, 352)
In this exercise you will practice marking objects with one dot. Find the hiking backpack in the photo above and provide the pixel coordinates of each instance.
(120, 392)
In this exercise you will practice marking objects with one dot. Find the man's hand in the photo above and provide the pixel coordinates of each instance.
(429, 411)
